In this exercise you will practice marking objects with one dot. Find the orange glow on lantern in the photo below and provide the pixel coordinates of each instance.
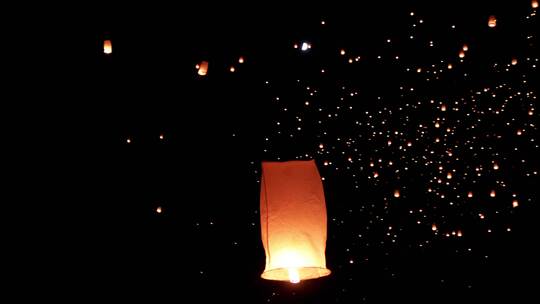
(107, 47)
(492, 21)
(202, 68)
(293, 221)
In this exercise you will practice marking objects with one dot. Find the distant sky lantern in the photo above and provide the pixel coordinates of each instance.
(232, 69)
(470, 194)
(461, 54)
(107, 47)
(450, 66)
(493, 193)
(293, 221)
(495, 166)
(305, 46)
(443, 108)
(534, 4)
(515, 203)
(158, 209)
(434, 227)
(465, 48)
(397, 194)
(449, 175)
(492, 21)
(514, 61)
(342, 52)
(202, 68)
(241, 59)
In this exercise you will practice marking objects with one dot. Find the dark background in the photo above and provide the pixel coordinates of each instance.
(81, 221)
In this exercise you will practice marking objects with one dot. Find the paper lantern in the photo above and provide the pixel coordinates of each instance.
(202, 68)
(492, 21)
(293, 221)
(107, 46)
(534, 4)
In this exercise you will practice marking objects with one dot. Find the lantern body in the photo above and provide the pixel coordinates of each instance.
(203, 68)
(107, 46)
(293, 221)
(492, 21)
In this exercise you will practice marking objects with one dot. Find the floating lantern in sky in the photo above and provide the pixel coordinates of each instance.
(514, 61)
(461, 54)
(492, 21)
(470, 194)
(397, 194)
(293, 221)
(434, 227)
(202, 68)
(534, 4)
(107, 46)
(495, 166)
(465, 48)
(158, 209)
(241, 59)
(305, 46)
(493, 193)
(450, 66)
(232, 69)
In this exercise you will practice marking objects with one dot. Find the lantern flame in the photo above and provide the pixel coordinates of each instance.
(294, 276)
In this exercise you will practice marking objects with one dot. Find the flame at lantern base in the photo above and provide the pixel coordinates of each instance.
(294, 276)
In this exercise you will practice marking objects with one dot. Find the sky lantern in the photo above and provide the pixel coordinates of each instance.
(397, 193)
(534, 4)
(461, 54)
(293, 221)
(107, 46)
(514, 61)
(465, 48)
(241, 59)
(492, 21)
(202, 68)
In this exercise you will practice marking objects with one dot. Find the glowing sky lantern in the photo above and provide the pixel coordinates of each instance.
(514, 61)
(397, 193)
(461, 54)
(293, 221)
(241, 59)
(534, 4)
(107, 47)
(492, 21)
(465, 48)
(202, 68)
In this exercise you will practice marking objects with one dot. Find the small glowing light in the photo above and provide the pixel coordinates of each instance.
(305, 46)
(437, 125)
(518, 132)
(342, 52)
(128, 140)
(450, 66)
(107, 47)
(158, 209)
(419, 70)
(397, 194)
(534, 4)
(434, 227)
(515, 203)
(294, 276)
(443, 108)
(326, 163)
(481, 216)
(508, 229)
(375, 174)
(492, 21)
(232, 69)
(461, 54)
(465, 48)
(495, 166)
(470, 194)
(493, 193)
(449, 175)
(321, 146)
(514, 61)
(323, 22)
(241, 59)
(295, 46)
(161, 136)
(459, 233)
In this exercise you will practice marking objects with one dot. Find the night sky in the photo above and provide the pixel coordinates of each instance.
(422, 120)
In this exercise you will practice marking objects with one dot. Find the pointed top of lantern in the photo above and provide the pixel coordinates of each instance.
(293, 221)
